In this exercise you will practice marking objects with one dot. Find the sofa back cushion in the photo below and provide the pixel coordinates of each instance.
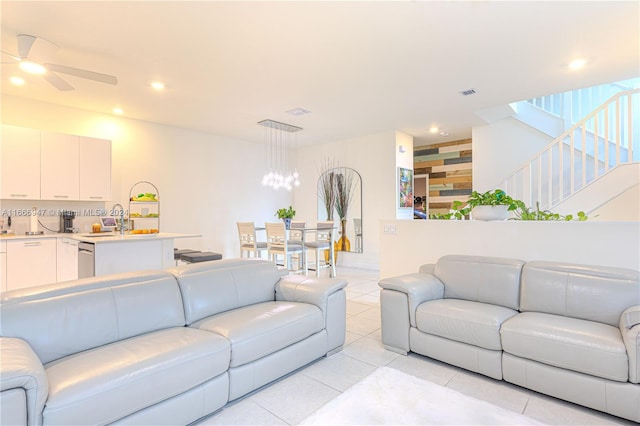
(481, 279)
(210, 288)
(594, 293)
(62, 319)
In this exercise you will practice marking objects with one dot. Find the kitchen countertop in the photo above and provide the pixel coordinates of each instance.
(106, 237)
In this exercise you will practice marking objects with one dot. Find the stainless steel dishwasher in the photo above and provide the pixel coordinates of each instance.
(86, 260)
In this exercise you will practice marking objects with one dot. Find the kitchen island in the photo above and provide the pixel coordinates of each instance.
(112, 253)
(30, 260)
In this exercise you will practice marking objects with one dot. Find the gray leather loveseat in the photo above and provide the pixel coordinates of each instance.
(569, 331)
(158, 347)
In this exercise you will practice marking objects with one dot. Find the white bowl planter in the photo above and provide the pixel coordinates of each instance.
(500, 212)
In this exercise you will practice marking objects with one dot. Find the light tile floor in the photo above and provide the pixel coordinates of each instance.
(293, 398)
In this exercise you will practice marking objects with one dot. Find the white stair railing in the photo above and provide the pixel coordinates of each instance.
(607, 137)
(576, 104)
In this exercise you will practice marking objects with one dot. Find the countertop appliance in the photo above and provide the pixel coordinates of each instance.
(66, 220)
(86, 260)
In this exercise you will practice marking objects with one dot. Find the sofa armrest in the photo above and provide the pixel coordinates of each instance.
(20, 367)
(298, 288)
(630, 317)
(399, 299)
(327, 294)
(630, 330)
(418, 287)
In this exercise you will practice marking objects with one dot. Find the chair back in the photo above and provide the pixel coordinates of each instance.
(276, 236)
(296, 231)
(247, 234)
(325, 231)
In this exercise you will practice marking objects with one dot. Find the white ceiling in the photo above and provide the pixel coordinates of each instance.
(359, 67)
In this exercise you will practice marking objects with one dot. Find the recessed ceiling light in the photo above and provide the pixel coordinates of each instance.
(157, 85)
(577, 64)
(434, 129)
(17, 81)
(32, 67)
(118, 111)
(298, 111)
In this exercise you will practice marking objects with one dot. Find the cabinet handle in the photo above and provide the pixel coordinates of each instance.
(60, 196)
(95, 197)
(18, 195)
(33, 243)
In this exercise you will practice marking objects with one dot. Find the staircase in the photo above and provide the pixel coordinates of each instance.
(606, 138)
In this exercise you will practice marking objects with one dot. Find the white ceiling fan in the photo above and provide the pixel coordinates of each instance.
(34, 56)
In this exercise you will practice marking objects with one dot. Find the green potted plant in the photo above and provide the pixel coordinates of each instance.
(286, 215)
(491, 205)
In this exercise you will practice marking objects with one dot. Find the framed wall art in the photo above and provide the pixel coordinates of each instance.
(405, 187)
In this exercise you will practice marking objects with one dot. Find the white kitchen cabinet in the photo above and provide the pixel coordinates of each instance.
(59, 166)
(66, 259)
(31, 262)
(20, 163)
(3, 266)
(95, 169)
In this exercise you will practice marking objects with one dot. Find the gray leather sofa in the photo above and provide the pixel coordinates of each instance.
(160, 347)
(569, 331)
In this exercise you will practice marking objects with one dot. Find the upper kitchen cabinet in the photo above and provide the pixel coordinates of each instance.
(38, 165)
(20, 161)
(95, 169)
(59, 172)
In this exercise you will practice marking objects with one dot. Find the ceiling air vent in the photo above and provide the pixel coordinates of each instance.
(468, 92)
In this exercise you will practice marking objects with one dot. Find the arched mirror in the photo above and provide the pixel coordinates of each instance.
(340, 200)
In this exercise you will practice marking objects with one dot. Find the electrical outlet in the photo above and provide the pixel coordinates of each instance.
(390, 228)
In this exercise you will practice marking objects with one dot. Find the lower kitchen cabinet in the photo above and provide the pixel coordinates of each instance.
(30, 262)
(67, 259)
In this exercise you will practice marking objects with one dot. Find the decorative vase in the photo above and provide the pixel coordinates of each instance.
(490, 213)
(287, 222)
(343, 243)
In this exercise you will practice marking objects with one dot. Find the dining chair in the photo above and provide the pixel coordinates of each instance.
(296, 232)
(248, 241)
(296, 237)
(324, 241)
(278, 245)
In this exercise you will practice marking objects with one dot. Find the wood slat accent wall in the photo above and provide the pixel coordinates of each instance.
(449, 166)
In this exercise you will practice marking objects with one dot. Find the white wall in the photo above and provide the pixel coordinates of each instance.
(417, 242)
(501, 148)
(374, 158)
(206, 182)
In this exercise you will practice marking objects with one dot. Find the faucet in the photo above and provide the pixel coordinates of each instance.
(113, 209)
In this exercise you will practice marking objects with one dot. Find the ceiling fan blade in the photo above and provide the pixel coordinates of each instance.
(24, 44)
(89, 75)
(57, 82)
(14, 57)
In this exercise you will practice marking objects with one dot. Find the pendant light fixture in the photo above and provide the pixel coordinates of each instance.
(279, 138)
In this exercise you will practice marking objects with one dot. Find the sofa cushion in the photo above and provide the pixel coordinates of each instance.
(584, 346)
(210, 288)
(102, 385)
(264, 328)
(593, 293)
(474, 323)
(62, 319)
(481, 279)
